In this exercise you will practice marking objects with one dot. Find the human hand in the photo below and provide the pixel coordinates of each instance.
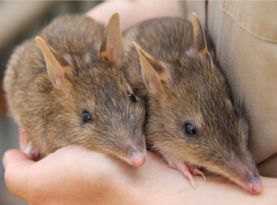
(75, 175)
(132, 12)
(71, 175)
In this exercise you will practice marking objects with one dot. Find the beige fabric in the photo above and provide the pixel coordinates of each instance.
(258, 18)
(268, 167)
(245, 36)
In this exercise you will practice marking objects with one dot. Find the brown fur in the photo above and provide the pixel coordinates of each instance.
(52, 117)
(194, 90)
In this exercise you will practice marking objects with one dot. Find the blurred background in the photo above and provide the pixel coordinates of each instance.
(20, 20)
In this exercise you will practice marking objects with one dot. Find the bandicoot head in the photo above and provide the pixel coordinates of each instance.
(94, 101)
(191, 114)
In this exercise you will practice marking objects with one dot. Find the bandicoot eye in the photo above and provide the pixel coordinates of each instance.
(189, 129)
(86, 116)
(132, 97)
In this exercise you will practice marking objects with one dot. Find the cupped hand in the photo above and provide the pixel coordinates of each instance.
(74, 175)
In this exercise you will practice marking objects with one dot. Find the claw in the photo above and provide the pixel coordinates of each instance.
(28, 149)
(32, 152)
(196, 171)
(187, 174)
(184, 169)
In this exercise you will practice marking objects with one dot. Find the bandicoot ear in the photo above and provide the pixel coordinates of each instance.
(199, 40)
(112, 45)
(57, 66)
(155, 74)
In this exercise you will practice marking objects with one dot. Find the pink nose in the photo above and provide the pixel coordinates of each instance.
(137, 159)
(255, 186)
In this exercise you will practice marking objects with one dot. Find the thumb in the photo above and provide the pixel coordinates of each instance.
(16, 165)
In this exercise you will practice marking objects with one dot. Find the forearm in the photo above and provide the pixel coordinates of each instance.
(74, 175)
(155, 183)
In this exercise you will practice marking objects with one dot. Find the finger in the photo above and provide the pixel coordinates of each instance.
(16, 166)
(13, 156)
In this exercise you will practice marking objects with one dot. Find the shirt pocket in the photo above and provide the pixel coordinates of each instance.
(259, 18)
